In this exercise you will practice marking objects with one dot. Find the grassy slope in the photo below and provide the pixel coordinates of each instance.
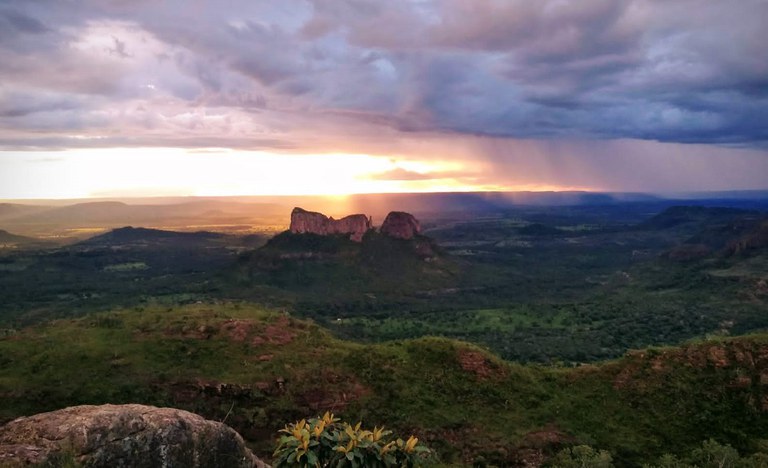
(227, 361)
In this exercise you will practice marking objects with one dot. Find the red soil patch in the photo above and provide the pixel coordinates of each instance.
(478, 364)
(238, 330)
(718, 356)
(258, 340)
(643, 370)
(280, 332)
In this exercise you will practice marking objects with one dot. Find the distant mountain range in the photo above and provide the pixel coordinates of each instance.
(226, 216)
(109, 211)
(232, 214)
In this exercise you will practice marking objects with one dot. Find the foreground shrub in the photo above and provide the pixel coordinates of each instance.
(582, 456)
(327, 442)
(712, 454)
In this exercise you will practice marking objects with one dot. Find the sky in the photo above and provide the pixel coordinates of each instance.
(118, 98)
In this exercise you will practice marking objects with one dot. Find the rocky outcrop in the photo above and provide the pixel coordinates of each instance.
(134, 436)
(355, 226)
(397, 224)
(400, 225)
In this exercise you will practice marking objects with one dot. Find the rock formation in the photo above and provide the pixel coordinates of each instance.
(400, 225)
(134, 436)
(355, 225)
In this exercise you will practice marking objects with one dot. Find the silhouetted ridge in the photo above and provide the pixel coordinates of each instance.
(8, 238)
(131, 234)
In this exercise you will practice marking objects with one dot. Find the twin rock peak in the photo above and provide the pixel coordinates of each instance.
(397, 224)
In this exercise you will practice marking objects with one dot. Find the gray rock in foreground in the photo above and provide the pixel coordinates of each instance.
(134, 436)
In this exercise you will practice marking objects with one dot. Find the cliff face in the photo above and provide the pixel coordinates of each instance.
(400, 225)
(397, 224)
(131, 436)
(355, 225)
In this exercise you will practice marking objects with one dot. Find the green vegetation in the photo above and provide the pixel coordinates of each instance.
(582, 456)
(578, 297)
(379, 332)
(547, 285)
(329, 268)
(712, 454)
(325, 442)
(261, 369)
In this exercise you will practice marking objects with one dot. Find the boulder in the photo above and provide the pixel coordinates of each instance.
(400, 225)
(134, 436)
(354, 226)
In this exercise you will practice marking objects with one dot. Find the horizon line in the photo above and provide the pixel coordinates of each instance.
(661, 194)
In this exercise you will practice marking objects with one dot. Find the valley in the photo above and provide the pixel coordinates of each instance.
(500, 334)
(533, 284)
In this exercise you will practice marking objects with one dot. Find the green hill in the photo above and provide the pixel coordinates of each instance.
(320, 267)
(258, 369)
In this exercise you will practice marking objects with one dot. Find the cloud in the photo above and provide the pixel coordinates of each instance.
(683, 70)
(366, 75)
(18, 22)
(404, 174)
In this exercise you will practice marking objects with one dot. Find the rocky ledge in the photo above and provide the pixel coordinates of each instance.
(127, 436)
(355, 226)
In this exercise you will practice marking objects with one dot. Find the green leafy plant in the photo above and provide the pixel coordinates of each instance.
(582, 456)
(327, 442)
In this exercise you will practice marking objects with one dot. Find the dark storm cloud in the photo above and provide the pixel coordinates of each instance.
(673, 70)
(649, 70)
(11, 20)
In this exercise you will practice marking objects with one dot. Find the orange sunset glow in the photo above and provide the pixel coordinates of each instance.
(216, 172)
